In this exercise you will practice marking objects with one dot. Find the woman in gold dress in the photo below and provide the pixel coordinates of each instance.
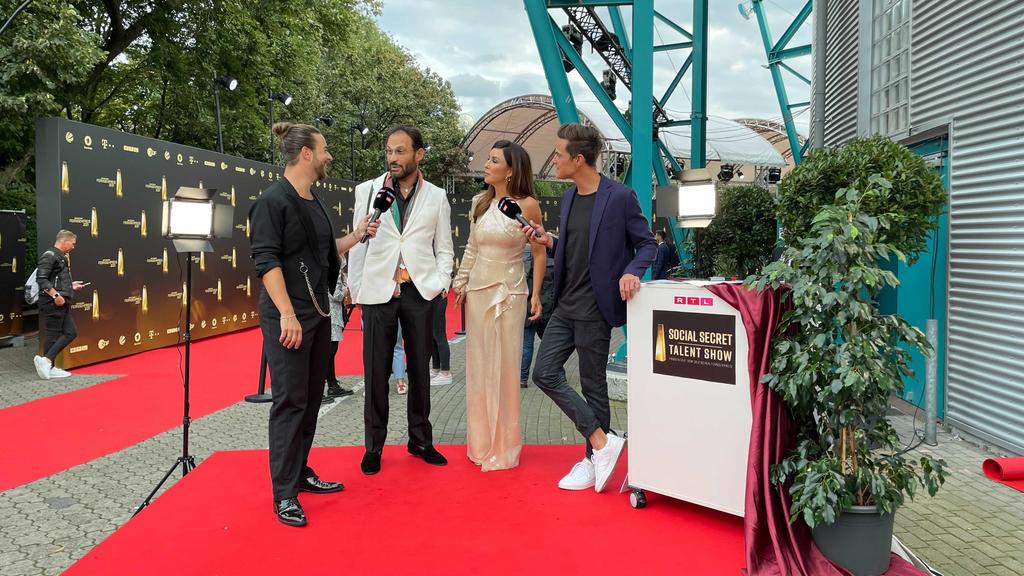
(491, 280)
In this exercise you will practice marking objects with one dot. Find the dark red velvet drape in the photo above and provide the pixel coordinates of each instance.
(773, 545)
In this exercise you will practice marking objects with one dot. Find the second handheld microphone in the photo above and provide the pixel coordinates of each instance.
(510, 208)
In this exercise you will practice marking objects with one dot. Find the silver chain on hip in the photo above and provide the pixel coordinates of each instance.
(303, 268)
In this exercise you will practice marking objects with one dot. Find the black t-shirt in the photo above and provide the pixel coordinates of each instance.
(324, 238)
(577, 300)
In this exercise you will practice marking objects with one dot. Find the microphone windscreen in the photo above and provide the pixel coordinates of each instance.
(509, 207)
(384, 199)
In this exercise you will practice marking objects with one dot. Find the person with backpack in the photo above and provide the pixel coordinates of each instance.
(56, 290)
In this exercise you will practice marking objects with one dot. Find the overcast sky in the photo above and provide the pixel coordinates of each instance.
(486, 50)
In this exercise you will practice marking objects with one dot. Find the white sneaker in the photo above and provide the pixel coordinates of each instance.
(42, 366)
(605, 460)
(580, 477)
(59, 373)
(441, 379)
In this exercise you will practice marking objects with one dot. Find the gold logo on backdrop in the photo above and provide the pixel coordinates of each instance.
(184, 294)
(132, 149)
(163, 261)
(142, 224)
(234, 258)
(202, 261)
(247, 226)
(145, 299)
(163, 187)
(120, 262)
(94, 223)
(338, 209)
(248, 286)
(252, 171)
(209, 163)
(659, 347)
(150, 152)
(201, 184)
(181, 158)
(14, 264)
(122, 340)
(456, 232)
(105, 143)
(69, 137)
(118, 185)
(232, 194)
(223, 166)
(88, 142)
(96, 305)
(103, 343)
(167, 154)
(220, 292)
(65, 179)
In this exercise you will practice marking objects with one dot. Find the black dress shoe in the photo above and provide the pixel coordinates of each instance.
(429, 454)
(315, 485)
(371, 463)
(334, 390)
(325, 399)
(289, 512)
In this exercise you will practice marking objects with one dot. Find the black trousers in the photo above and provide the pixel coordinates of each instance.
(296, 386)
(441, 357)
(590, 339)
(332, 352)
(59, 324)
(380, 331)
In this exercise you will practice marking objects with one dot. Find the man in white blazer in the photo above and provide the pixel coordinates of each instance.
(395, 277)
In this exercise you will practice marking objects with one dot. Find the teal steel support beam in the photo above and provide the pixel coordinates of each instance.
(668, 156)
(675, 46)
(642, 140)
(795, 73)
(620, 30)
(803, 50)
(673, 25)
(551, 59)
(793, 27)
(780, 86)
(675, 81)
(674, 123)
(699, 99)
(591, 3)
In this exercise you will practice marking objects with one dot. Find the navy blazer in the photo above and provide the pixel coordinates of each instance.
(621, 242)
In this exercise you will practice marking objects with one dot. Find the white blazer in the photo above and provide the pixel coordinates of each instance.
(425, 246)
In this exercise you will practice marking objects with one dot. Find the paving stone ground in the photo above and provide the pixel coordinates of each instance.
(973, 527)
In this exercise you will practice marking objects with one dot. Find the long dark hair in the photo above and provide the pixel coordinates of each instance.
(520, 185)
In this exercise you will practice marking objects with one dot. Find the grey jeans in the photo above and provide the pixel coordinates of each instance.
(590, 339)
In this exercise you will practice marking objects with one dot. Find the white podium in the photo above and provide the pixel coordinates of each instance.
(689, 397)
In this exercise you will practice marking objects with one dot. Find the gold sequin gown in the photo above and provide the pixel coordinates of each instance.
(491, 274)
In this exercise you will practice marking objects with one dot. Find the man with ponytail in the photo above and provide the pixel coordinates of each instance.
(395, 278)
(296, 253)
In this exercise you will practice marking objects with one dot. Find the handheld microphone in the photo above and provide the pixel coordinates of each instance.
(381, 203)
(510, 208)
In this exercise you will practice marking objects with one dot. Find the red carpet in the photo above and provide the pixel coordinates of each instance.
(58, 432)
(1009, 471)
(416, 519)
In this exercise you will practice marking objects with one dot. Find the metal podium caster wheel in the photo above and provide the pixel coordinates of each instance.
(638, 499)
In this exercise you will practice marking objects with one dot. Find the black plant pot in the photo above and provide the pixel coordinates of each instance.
(860, 540)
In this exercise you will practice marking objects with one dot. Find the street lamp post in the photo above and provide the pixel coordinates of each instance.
(229, 83)
(284, 98)
(363, 131)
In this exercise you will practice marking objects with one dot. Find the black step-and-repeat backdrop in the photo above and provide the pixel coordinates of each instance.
(12, 271)
(108, 187)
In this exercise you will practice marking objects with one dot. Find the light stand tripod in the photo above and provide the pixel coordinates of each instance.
(187, 462)
(190, 219)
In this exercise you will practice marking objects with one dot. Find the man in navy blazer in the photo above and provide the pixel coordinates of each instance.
(604, 248)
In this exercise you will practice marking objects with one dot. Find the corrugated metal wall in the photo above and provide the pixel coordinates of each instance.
(966, 65)
(841, 43)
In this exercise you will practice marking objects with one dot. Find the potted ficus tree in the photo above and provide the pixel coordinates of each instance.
(837, 359)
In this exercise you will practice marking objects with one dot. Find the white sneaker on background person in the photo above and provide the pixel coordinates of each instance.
(605, 460)
(43, 367)
(580, 477)
(441, 379)
(59, 373)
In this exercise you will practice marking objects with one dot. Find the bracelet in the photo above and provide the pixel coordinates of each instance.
(287, 316)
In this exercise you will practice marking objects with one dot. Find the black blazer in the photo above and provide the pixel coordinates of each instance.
(282, 235)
